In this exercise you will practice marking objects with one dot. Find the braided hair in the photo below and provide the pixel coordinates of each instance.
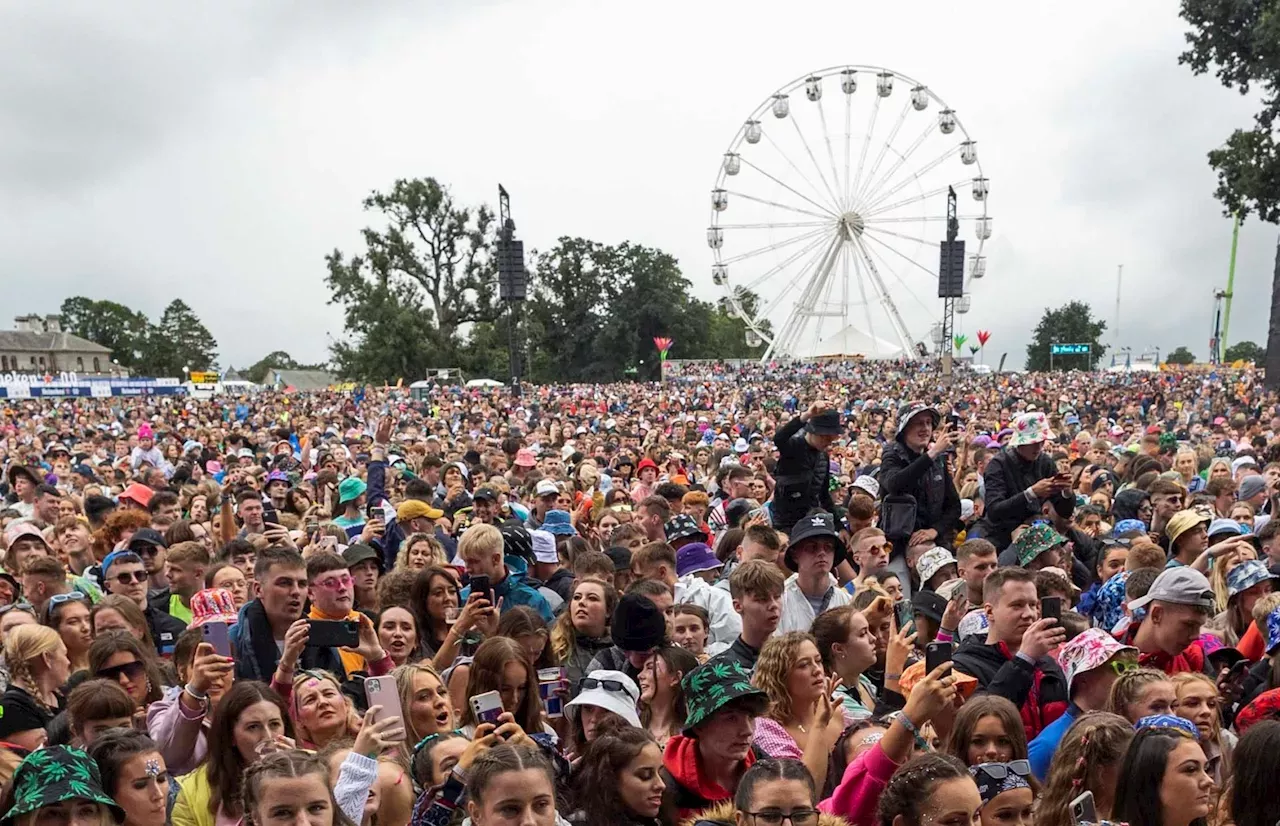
(1097, 740)
(22, 645)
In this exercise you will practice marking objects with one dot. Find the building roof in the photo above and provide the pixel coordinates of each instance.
(26, 340)
(301, 379)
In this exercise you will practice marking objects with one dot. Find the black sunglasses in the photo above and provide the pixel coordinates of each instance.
(999, 771)
(132, 671)
(589, 683)
(126, 577)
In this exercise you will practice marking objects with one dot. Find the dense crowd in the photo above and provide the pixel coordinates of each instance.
(805, 593)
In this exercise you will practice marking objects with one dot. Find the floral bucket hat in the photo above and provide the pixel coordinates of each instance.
(1030, 428)
(1035, 540)
(1091, 649)
(714, 685)
(53, 775)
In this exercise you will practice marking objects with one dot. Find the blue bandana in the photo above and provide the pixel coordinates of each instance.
(1168, 722)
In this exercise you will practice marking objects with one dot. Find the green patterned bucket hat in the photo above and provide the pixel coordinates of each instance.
(1035, 540)
(53, 775)
(714, 685)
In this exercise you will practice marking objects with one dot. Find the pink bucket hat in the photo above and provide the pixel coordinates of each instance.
(1088, 651)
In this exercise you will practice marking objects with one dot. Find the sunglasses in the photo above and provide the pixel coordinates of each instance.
(128, 577)
(70, 596)
(335, 582)
(589, 683)
(999, 771)
(131, 671)
(1123, 666)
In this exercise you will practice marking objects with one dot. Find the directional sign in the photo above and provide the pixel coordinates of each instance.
(1069, 349)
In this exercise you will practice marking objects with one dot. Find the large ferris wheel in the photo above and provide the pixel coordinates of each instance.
(828, 210)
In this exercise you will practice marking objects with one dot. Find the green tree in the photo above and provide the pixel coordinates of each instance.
(1072, 323)
(1181, 356)
(432, 255)
(121, 330)
(573, 287)
(1245, 351)
(179, 342)
(277, 360)
(727, 336)
(389, 332)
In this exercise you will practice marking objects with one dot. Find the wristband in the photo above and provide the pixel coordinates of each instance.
(889, 677)
(907, 724)
(203, 698)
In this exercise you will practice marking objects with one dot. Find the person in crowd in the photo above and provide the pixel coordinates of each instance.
(507, 783)
(847, 648)
(481, 550)
(59, 784)
(619, 780)
(291, 786)
(814, 551)
(261, 639)
(117, 613)
(68, 614)
(134, 775)
(772, 791)
(803, 469)
(1163, 781)
(1141, 692)
(398, 632)
(38, 668)
(987, 729)
(1091, 663)
(1020, 479)
(704, 763)
(1246, 583)
(689, 624)
(1197, 699)
(582, 631)
(1013, 660)
(500, 665)
(425, 700)
(527, 628)
(932, 788)
(1250, 794)
(1005, 789)
(757, 588)
(607, 699)
(638, 627)
(125, 574)
(94, 707)
(915, 464)
(1088, 760)
(663, 707)
(250, 722)
(1177, 604)
(124, 660)
(420, 551)
(434, 598)
(228, 577)
(657, 560)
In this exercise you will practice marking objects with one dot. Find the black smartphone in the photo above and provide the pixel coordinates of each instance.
(953, 419)
(269, 517)
(935, 654)
(1051, 608)
(373, 512)
(333, 634)
(480, 585)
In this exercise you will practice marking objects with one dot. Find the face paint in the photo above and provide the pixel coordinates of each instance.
(153, 768)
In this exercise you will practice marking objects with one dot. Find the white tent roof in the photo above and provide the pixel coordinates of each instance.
(851, 341)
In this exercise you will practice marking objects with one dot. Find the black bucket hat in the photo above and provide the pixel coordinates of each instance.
(817, 525)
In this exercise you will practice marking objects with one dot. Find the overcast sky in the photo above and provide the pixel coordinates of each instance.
(148, 152)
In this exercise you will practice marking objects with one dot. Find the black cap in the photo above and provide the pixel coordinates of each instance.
(737, 510)
(620, 556)
(929, 603)
(826, 423)
(484, 495)
(147, 536)
(21, 714)
(638, 625)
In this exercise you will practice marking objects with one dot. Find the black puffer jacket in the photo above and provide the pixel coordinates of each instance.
(1005, 483)
(903, 472)
(1039, 691)
(802, 476)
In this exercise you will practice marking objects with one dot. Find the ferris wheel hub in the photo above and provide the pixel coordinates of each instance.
(852, 225)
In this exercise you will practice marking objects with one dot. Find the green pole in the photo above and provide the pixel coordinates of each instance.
(1231, 281)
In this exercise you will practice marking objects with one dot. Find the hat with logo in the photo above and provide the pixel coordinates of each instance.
(817, 525)
(933, 561)
(1179, 586)
(694, 557)
(544, 546)
(1091, 649)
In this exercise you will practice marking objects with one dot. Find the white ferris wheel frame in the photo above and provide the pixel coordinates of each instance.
(831, 236)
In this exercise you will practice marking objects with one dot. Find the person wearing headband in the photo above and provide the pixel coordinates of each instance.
(1005, 789)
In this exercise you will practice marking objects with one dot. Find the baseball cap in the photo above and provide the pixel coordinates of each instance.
(546, 488)
(415, 508)
(1179, 586)
(17, 530)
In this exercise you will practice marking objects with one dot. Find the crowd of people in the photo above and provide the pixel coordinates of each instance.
(807, 593)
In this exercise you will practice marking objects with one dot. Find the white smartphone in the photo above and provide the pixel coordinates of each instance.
(486, 707)
(217, 634)
(1083, 810)
(382, 691)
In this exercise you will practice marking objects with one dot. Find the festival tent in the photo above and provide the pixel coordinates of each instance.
(851, 341)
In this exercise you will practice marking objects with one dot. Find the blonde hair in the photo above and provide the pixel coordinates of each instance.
(483, 538)
(403, 675)
(774, 665)
(22, 645)
(1129, 686)
(1180, 682)
(437, 550)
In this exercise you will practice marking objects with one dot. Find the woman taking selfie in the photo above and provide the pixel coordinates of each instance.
(619, 780)
(582, 629)
(250, 721)
(134, 775)
(442, 623)
(1087, 760)
(1163, 780)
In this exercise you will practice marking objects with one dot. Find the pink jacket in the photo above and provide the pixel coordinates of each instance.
(858, 793)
